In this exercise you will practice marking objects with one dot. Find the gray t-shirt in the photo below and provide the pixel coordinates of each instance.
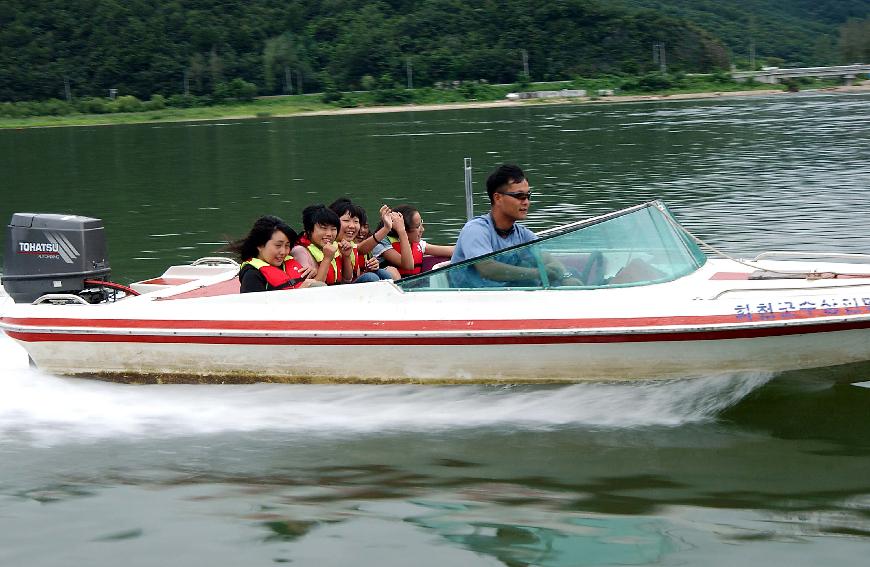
(381, 246)
(478, 237)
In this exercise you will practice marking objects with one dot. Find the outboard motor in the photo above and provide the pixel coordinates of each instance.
(54, 254)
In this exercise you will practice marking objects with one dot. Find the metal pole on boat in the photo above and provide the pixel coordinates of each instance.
(469, 196)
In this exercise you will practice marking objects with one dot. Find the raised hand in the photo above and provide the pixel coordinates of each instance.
(329, 251)
(398, 222)
(386, 216)
(345, 248)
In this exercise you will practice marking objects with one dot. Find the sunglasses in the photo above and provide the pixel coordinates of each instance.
(518, 195)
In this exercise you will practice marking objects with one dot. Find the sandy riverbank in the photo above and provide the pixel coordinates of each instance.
(865, 87)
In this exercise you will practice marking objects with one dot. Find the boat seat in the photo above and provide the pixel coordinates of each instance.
(431, 262)
(441, 264)
(179, 275)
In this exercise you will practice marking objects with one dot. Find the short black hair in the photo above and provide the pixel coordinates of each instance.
(344, 205)
(504, 174)
(319, 214)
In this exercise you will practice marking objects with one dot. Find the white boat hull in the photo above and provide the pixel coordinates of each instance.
(698, 325)
(391, 362)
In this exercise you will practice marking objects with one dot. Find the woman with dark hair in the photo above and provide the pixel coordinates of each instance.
(318, 249)
(352, 217)
(265, 257)
(404, 247)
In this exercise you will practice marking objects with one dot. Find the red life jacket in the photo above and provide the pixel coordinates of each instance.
(333, 276)
(359, 261)
(288, 276)
(416, 253)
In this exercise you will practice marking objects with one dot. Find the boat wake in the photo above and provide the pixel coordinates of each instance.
(40, 409)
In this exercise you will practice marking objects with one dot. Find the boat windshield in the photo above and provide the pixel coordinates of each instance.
(641, 245)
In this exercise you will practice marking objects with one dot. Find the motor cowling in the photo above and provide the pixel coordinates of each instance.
(50, 253)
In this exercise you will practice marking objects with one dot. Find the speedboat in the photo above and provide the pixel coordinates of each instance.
(629, 295)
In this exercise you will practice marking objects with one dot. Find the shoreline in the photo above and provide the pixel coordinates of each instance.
(578, 100)
(504, 103)
(531, 102)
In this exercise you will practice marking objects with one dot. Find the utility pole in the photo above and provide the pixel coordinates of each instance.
(752, 26)
(525, 55)
(410, 73)
(659, 56)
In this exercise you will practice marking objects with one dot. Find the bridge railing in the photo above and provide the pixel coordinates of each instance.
(772, 75)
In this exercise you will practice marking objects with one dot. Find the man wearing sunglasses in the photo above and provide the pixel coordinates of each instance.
(510, 198)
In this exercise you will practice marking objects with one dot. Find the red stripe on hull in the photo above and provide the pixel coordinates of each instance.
(406, 326)
(707, 335)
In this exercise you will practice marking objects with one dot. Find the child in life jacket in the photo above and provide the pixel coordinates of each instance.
(265, 258)
(404, 247)
(352, 217)
(319, 250)
(364, 232)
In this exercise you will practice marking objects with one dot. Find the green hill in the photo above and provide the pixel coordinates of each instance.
(795, 32)
(49, 48)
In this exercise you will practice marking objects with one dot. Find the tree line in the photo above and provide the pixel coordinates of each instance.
(82, 48)
(793, 33)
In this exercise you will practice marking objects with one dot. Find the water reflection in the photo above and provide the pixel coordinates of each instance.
(578, 541)
(784, 171)
(576, 496)
(721, 470)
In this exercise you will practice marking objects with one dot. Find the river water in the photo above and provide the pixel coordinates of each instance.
(719, 470)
